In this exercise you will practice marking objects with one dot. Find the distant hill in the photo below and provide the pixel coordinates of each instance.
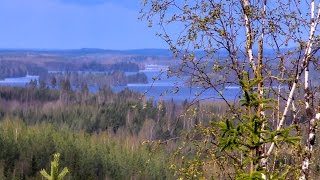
(97, 51)
(90, 51)
(133, 52)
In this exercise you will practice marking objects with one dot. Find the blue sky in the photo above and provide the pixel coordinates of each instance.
(72, 24)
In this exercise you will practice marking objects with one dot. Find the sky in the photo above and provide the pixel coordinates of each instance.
(74, 24)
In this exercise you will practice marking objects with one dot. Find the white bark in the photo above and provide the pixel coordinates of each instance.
(249, 41)
(285, 112)
(305, 63)
(294, 113)
(263, 161)
(309, 112)
(309, 147)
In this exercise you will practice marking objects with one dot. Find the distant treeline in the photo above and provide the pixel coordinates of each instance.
(91, 74)
(80, 110)
(15, 68)
(92, 66)
(77, 79)
(20, 69)
(102, 111)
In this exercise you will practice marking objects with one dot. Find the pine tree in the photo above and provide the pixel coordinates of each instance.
(55, 175)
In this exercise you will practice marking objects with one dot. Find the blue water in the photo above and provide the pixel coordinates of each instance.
(166, 88)
(19, 81)
(159, 87)
(181, 94)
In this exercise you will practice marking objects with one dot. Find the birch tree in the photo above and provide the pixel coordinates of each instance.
(264, 48)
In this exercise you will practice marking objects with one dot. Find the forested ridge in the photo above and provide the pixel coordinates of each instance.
(99, 136)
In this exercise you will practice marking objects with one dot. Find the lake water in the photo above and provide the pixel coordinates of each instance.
(173, 88)
(165, 88)
(18, 81)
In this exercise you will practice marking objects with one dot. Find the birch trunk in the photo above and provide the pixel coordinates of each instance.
(246, 6)
(261, 112)
(309, 110)
(305, 64)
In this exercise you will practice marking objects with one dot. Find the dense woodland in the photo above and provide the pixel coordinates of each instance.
(103, 135)
(98, 135)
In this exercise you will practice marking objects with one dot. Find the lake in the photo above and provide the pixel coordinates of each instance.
(165, 88)
(18, 81)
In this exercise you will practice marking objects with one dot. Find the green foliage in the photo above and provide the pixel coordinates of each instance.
(25, 150)
(54, 173)
(232, 143)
